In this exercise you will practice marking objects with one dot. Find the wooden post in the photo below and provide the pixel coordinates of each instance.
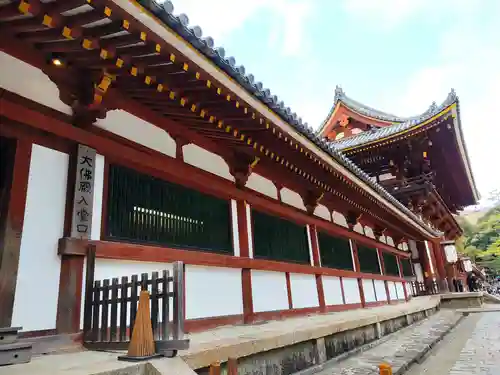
(246, 274)
(313, 235)
(13, 229)
(440, 265)
(354, 249)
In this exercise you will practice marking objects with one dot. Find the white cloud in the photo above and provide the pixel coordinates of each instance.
(387, 14)
(469, 61)
(221, 17)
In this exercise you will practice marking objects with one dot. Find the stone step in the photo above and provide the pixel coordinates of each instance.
(8, 334)
(401, 349)
(15, 353)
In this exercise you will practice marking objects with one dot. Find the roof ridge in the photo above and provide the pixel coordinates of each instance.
(193, 35)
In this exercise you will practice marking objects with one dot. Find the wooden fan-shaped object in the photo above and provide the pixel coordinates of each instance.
(142, 345)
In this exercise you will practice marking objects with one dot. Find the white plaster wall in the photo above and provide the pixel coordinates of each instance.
(339, 219)
(400, 290)
(332, 290)
(419, 274)
(389, 241)
(382, 239)
(235, 228)
(408, 289)
(412, 245)
(309, 245)
(37, 287)
(359, 228)
(137, 130)
(392, 291)
(269, 291)
(369, 291)
(249, 229)
(292, 198)
(206, 160)
(30, 82)
(304, 290)
(262, 185)
(431, 259)
(369, 232)
(213, 291)
(351, 290)
(95, 233)
(323, 212)
(380, 290)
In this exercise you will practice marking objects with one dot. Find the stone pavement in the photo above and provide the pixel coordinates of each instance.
(401, 350)
(481, 353)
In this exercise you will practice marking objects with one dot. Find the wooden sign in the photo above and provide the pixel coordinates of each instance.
(84, 193)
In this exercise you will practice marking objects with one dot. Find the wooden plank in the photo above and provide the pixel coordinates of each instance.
(154, 304)
(105, 310)
(133, 301)
(123, 308)
(114, 309)
(89, 294)
(11, 248)
(165, 298)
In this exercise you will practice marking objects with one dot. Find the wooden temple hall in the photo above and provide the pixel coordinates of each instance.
(126, 134)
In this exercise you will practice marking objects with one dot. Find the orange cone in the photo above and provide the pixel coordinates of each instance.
(142, 345)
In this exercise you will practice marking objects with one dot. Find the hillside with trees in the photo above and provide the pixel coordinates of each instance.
(481, 239)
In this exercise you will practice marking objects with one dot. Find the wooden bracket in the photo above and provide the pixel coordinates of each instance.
(241, 167)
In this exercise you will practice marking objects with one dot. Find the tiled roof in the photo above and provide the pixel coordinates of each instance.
(400, 123)
(193, 35)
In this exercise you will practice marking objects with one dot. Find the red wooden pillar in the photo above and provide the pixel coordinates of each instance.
(401, 274)
(425, 263)
(354, 248)
(11, 246)
(382, 269)
(246, 274)
(313, 234)
(440, 265)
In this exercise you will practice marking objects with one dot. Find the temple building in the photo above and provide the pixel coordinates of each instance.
(124, 130)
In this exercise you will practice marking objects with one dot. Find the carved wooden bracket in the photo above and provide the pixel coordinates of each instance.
(311, 200)
(379, 231)
(240, 167)
(352, 218)
(180, 142)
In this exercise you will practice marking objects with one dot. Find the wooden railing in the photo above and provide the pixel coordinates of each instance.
(111, 306)
(421, 289)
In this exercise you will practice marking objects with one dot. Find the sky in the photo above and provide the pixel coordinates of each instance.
(398, 56)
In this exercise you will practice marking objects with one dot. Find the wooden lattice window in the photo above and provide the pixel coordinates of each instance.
(149, 210)
(407, 268)
(335, 252)
(279, 239)
(368, 260)
(390, 264)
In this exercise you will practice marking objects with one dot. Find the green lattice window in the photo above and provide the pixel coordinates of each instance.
(390, 264)
(146, 209)
(368, 260)
(407, 268)
(278, 239)
(335, 252)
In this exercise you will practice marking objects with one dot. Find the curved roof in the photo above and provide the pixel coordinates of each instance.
(400, 124)
(193, 35)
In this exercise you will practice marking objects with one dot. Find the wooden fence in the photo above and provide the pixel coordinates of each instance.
(420, 289)
(111, 306)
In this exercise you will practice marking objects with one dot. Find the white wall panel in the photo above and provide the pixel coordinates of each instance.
(95, 233)
(369, 291)
(400, 290)
(323, 212)
(269, 291)
(30, 82)
(292, 198)
(213, 291)
(332, 290)
(262, 185)
(137, 130)
(380, 290)
(37, 287)
(392, 291)
(304, 290)
(235, 229)
(351, 290)
(339, 219)
(206, 160)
